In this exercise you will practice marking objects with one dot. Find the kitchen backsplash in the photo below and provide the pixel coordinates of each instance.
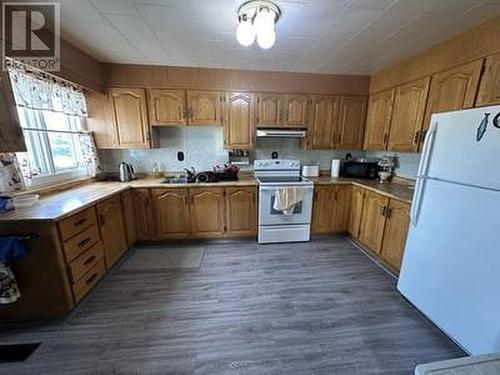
(203, 148)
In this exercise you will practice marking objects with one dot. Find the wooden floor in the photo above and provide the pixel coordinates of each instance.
(315, 308)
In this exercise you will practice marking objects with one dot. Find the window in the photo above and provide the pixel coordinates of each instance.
(51, 114)
(53, 146)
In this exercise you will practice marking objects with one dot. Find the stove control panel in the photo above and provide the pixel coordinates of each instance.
(276, 165)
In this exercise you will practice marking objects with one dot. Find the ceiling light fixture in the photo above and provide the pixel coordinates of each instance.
(256, 19)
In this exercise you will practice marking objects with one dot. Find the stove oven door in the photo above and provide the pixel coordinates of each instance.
(269, 216)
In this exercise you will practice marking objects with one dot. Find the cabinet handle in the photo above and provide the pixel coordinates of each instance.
(383, 210)
(422, 135)
(91, 279)
(385, 138)
(84, 242)
(417, 136)
(101, 219)
(80, 222)
(388, 213)
(90, 260)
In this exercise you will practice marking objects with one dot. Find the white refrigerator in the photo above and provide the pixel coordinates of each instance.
(451, 264)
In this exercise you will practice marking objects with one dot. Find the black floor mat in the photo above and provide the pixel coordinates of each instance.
(17, 352)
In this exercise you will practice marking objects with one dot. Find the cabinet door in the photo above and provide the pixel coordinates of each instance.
(11, 135)
(204, 108)
(357, 198)
(269, 110)
(342, 208)
(378, 120)
(171, 213)
(167, 107)
(453, 89)
(324, 118)
(241, 211)
(129, 217)
(239, 123)
(396, 230)
(489, 90)
(351, 122)
(144, 215)
(128, 112)
(408, 115)
(207, 212)
(373, 220)
(323, 209)
(296, 111)
(112, 229)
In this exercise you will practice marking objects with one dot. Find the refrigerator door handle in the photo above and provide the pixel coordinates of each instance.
(417, 199)
(427, 151)
(423, 170)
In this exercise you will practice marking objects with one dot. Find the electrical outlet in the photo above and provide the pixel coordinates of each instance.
(180, 156)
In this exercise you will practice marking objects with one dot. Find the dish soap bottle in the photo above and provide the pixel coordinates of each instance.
(156, 169)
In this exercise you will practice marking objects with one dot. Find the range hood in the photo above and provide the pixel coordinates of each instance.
(280, 133)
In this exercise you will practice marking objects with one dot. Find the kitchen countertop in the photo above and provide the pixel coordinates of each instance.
(57, 206)
(400, 191)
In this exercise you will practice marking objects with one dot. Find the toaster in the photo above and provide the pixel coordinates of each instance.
(310, 170)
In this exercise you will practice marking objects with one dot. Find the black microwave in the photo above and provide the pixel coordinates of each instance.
(360, 169)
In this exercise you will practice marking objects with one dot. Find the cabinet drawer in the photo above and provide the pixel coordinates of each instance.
(86, 261)
(76, 223)
(81, 242)
(82, 287)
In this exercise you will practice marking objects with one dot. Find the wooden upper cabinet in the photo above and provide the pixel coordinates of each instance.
(129, 116)
(324, 117)
(395, 233)
(144, 218)
(489, 90)
(171, 213)
(204, 108)
(453, 89)
(269, 110)
(128, 206)
(351, 125)
(11, 135)
(373, 220)
(356, 210)
(296, 111)
(207, 212)
(239, 122)
(378, 120)
(408, 116)
(167, 107)
(110, 215)
(241, 206)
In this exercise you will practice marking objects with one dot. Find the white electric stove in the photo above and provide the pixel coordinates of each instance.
(275, 226)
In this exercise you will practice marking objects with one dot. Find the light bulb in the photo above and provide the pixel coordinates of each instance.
(266, 40)
(264, 28)
(245, 34)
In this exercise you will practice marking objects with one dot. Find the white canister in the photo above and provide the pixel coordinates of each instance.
(335, 170)
(310, 170)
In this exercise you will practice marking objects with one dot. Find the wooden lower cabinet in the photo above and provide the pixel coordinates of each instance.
(129, 217)
(331, 208)
(144, 218)
(395, 233)
(110, 218)
(373, 221)
(171, 213)
(207, 212)
(357, 197)
(241, 215)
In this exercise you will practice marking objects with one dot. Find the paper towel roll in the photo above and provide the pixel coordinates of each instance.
(335, 168)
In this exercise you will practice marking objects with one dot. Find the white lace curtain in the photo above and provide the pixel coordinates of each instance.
(40, 91)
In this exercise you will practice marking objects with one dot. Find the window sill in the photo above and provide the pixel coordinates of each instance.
(53, 187)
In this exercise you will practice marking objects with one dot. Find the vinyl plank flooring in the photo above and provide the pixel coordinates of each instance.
(309, 308)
